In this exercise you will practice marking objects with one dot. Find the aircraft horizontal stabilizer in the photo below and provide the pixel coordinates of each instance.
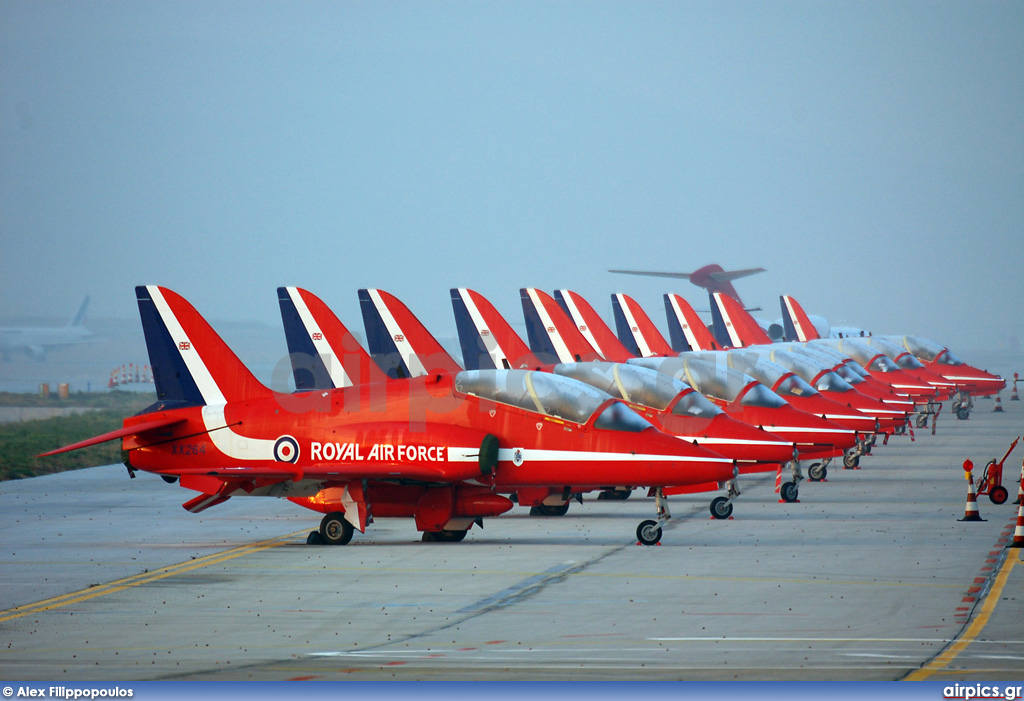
(730, 275)
(135, 429)
(651, 273)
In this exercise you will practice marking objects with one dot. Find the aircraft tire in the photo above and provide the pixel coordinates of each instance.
(648, 532)
(314, 538)
(547, 510)
(998, 495)
(962, 414)
(614, 494)
(335, 530)
(921, 421)
(721, 507)
(850, 461)
(789, 492)
(817, 472)
(450, 536)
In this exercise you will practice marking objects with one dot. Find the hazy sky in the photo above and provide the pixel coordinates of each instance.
(870, 155)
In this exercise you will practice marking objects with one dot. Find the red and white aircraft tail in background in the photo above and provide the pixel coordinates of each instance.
(711, 277)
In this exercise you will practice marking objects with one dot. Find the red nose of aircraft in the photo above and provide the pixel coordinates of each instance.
(814, 436)
(676, 462)
(740, 441)
(969, 378)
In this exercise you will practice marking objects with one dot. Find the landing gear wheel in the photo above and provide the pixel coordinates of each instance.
(335, 530)
(548, 510)
(921, 421)
(817, 472)
(449, 536)
(999, 495)
(721, 507)
(614, 494)
(850, 460)
(314, 538)
(962, 414)
(789, 492)
(648, 532)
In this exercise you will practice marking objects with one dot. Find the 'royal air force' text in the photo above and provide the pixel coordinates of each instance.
(379, 452)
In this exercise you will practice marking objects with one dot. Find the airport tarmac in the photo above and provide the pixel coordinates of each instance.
(870, 577)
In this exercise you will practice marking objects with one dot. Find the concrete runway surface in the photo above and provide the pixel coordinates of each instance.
(870, 577)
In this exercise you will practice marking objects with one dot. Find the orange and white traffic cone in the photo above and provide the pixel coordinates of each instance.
(1014, 397)
(971, 512)
(999, 404)
(1018, 532)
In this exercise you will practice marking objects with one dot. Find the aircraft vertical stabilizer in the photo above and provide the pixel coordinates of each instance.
(797, 325)
(636, 330)
(398, 341)
(487, 339)
(79, 318)
(324, 353)
(191, 364)
(592, 326)
(553, 336)
(740, 328)
(685, 329)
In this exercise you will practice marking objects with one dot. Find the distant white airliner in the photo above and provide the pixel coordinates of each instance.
(36, 340)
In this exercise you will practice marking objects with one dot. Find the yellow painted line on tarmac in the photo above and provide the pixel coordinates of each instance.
(943, 660)
(139, 579)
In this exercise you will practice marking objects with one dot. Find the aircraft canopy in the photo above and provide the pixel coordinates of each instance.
(550, 395)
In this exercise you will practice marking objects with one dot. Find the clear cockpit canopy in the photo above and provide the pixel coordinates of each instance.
(713, 379)
(900, 355)
(550, 395)
(927, 350)
(631, 383)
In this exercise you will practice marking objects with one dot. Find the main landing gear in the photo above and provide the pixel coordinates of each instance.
(649, 532)
(334, 530)
(721, 507)
(790, 491)
(818, 471)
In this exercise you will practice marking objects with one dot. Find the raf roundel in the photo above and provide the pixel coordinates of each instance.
(286, 449)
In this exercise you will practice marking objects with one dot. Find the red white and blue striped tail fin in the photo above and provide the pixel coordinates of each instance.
(192, 365)
(686, 331)
(740, 328)
(488, 341)
(636, 330)
(398, 341)
(323, 352)
(553, 336)
(592, 326)
(795, 322)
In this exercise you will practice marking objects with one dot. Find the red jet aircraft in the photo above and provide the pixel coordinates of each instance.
(435, 449)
